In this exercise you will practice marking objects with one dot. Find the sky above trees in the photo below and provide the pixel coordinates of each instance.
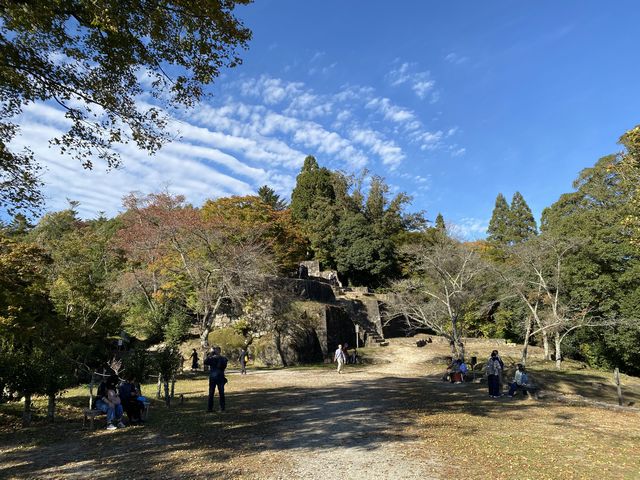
(451, 103)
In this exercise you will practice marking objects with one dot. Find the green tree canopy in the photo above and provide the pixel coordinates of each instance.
(498, 231)
(522, 225)
(92, 59)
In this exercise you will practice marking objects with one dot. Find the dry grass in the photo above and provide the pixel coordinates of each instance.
(456, 431)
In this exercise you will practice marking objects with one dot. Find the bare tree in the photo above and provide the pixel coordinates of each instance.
(443, 289)
(535, 273)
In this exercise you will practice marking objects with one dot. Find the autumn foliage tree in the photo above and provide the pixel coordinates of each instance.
(177, 250)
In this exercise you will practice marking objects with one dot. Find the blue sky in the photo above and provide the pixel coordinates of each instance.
(451, 102)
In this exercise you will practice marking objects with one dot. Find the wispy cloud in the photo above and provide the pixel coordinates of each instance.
(420, 81)
(455, 58)
(390, 111)
(256, 131)
(469, 228)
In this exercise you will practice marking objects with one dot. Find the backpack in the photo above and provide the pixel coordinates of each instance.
(246, 358)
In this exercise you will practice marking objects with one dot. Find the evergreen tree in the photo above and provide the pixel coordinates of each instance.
(440, 225)
(312, 183)
(522, 225)
(271, 198)
(498, 231)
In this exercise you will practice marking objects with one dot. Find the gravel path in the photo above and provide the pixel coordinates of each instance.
(349, 427)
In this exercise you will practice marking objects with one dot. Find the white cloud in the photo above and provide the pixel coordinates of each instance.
(429, 140)
(271, 90)
(258, 131)
(455, 59)
(390, 153)
(390, 111)
(469, 228)
(419, 81)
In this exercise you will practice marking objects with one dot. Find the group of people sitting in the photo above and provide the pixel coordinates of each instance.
(457, 371)
(115, 397)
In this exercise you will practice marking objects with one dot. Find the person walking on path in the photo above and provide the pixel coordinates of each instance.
(340, 358)
(494, 371)
(217, 365)
(243, 359)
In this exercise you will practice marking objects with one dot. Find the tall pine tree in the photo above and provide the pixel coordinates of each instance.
(440, 225)
(312, 183)
(498, 231)
(522, 225)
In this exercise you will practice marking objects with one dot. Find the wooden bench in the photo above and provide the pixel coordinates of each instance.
(91, 413)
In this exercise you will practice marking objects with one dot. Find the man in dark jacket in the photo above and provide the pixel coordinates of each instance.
(217, 365)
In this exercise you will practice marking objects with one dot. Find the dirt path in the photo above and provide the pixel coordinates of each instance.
(290, 424)
(350, 426)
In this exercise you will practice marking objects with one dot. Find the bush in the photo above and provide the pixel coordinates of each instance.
(228, 339)
(137, 363)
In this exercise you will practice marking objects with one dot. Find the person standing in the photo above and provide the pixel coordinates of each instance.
(340, 358)
(243, 359)
(194, 360)
(494, 371)
(217, 365)
(500, 379)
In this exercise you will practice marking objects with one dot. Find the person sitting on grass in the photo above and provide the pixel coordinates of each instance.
(108, 402)
(520, 380)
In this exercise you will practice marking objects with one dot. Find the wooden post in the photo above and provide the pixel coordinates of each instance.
(159, 394)
(91, 391)
(616, 376)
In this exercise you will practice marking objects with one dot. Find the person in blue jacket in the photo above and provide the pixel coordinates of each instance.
(217, 365)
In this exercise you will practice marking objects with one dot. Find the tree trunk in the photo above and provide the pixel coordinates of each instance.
(51, 407)
(159, 394)
(204, 337)
(173, 386)
(457, 349)
(278, 343)
(167, 397)
(545, 344)
(26, 414)
(558, 350)
(525, 347)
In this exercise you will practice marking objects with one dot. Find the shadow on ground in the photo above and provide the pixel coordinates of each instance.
(365, 414)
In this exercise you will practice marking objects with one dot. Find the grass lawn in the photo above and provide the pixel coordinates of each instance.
(276, 415)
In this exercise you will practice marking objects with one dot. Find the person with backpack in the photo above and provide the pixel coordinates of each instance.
(520, 380)
(217, 365)
(243, 359)
(494, 371)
